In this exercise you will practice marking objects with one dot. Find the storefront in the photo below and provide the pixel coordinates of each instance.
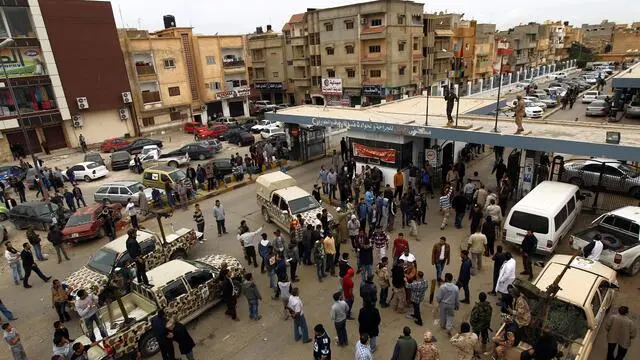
(352, 96)
(272, 91)
(372, 94)
(233, 103)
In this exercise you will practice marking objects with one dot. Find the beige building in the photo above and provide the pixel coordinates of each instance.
(439, 29)
(267, 66)
(370, 51)
(484, 51)
(523, 39)
(597, 36)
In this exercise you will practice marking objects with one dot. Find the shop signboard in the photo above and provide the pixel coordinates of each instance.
(385, 155)
(372, 90)
(331, 86)
(233, 93)
(269, 86)
(432, 157)
(20, 62)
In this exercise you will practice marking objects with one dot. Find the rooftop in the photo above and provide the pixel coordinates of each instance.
(119, 245)
(169, 271)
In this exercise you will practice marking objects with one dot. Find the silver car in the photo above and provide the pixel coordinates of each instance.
(597, 108)
(121, 191)
(616, 176)
(633, 109)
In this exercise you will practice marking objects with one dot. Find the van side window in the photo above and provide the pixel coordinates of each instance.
(571, 205)
(147, 176)
(174, 290)
(164, 178)
(635, 229)
(560, 217)
(275, 200)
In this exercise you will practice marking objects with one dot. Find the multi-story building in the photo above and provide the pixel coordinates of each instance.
(268, 66)
(370, 50)
(65, 68)
(440, 27)
(484, 51)
(464, 36)
(523, 39)
(177, 76)
(626, 43)
(597, 37)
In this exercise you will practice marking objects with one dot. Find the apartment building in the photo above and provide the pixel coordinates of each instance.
(177, 76)
(484, 51)
(355, 54)
(464, 36)
(626, 43)
(439, 27)
(64, 84)
(597, 36)
(267, 66)
(523, 39)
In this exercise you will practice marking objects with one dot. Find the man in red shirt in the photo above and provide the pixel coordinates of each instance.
(399, 245)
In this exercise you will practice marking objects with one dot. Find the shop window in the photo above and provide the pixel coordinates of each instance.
(19, 22)
(174, 91)
(30, 99)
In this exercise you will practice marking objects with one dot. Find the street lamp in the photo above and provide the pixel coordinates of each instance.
(45, 193)
(426, 114)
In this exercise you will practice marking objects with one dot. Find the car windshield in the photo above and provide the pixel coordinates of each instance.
(93, 165)
(567, 319)
(177, 176)
(525, 221)
(303, 204)
(79, 219)
(630, 171)
(135, 187)
(204, 266)
(103, 261)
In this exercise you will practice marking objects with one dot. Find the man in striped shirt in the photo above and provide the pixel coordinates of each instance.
(380, 243)
(199, 219)
(445, 206)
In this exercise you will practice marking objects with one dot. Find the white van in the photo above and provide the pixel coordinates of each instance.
(549, 210)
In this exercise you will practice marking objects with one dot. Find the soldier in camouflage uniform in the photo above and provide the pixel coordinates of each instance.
(319, 257)
(464, 342)
(520, 311)
(481, 319)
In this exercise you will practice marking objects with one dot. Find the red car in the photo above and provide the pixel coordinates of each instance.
(84, 224)
(213, 132)
(113, 145)
(191, 127)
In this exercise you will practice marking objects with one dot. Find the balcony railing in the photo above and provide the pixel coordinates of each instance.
(233, 64)
(145, 70)
(150, 96)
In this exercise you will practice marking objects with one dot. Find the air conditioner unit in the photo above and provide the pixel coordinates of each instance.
(363, 21)
(126, 97)
(82, 103)
(77, 121)
(124, 114)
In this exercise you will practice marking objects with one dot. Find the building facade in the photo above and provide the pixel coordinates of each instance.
(440, 27)
(523, 39)
(267, 66)
(67, 74)
(484, 51)
(597, 36)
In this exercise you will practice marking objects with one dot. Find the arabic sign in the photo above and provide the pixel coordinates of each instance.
(372, 90)
(386, 155)
(269, 86)
(432, 157)
(331, 86)
(369, 126)
(21, 62)
(233, 93)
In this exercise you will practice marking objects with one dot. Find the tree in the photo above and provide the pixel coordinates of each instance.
(581, 54)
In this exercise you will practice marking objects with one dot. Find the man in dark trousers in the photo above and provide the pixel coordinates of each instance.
(159, 329)
(451, 99)
(29, 265)
(465, 275)
(344, 151)
(529, 245)
(459, 204)
(135, 252)
(178, 333)
(489, 230)
(498, 260)
(55, 236)
(499, 169)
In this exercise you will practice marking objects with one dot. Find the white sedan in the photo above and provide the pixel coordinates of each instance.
(536, 102)
(88, 171)
(270, 131)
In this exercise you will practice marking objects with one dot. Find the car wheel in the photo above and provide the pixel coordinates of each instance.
(112, 150)
(173, 164)
(635, 192)
(202, 157)
(148, 345)
(178, 254)
(3, 217)
(265, 215)
(87, 178)
(576, 181)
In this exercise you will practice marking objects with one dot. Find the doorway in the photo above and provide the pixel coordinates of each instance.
(447, 160)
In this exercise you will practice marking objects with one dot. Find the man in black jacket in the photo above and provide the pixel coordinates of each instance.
(178, 332)
(529, 245)
(368, 291)
(29, 265)
(159, 329)
(135, 252)
(55, 236)
(321, 344)
(229, 294)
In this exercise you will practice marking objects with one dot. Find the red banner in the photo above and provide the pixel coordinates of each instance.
(386, 155)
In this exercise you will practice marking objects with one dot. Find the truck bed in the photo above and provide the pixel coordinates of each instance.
(136, 305)
(612, 239)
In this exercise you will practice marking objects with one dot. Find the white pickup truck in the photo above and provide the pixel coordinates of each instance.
(619, 231)
(151, 155)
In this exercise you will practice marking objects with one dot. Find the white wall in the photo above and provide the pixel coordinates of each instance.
(98, 126)
(457, 146)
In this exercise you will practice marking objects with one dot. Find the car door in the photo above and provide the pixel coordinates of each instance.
(79, 171)
(175, 299)
(31, 218)
(613, 179)
(202, 289)
(101, 193)
(114, 194)
(590, 174)
(124, 194)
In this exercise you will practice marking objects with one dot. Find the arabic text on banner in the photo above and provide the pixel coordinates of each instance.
(386, 155)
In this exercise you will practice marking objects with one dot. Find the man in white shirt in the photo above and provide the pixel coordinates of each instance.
(300, 329)
(87, 308)
(507, 274)
(596, 249)
(407, 258)
(132, 211)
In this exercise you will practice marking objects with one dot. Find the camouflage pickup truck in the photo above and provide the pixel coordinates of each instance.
(183, 288)
(94, 275)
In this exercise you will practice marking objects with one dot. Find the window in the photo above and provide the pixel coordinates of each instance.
(328, 26)
(595, 304)
(275, 200)
(375, 73)
(125, 191)
(560, 218)
(374, 48)
(571, 205)
(331, 73)
(19, 22)
(376, 22)
(260, 73)
(348, 25)
(524, 221)
(113, 190)
(401, 46)
(148, 121)
(275, 74)
(174, 290)
(401, 19)
(169, 63)
(329, 51)
(348, 49)
(211, 60)
(401, 69)
(416, 43)
(164, 178)
(351, 73)
(102, 190)
(415, 69)
(195, 279)
(174, 91)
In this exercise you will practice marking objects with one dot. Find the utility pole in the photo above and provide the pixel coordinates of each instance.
(502, 51)
(426, 113)
(458, 63)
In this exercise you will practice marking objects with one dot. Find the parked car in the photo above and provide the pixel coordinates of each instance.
(191, 127)
(616, 176)
(12, 170)
(194, 150)
(114, 144)
(597, 108)
(120, 191)
(95, 157)
(213, 132)
(213, 143)
(558, 75)
(120, 160)
(156, 176)
(545, 99)
(87, 171)
(589, 79)
(152, 155)
(241, 138)
(262, 124)
(633, 109)
(231, 129)
(85, 224)
(226, 120)
(34, 213)
(264, 106)
(281, 106)
(619, 231)
(248, 123)
(530, 109)
(270, 131)
(225, 167)
(589, 96)
(136, 146)
(536, 102)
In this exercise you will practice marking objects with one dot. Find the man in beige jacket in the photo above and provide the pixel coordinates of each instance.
(520, 113)
(620, 333)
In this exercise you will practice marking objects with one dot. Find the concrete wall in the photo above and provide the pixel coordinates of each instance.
(98, 125)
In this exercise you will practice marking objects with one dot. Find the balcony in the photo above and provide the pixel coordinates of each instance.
(230, 64)
(149, 97)
(377, 32)
(145, 70)
(298, 41)
(302, 82)
(443, 55)
(373, 58)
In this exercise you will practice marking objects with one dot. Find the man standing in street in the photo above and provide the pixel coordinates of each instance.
(621, 331)
(398, 183)
(369, 323)
(159, 329)
(529, 246)
(406, 347)
(451, 98)
(489, 231)
(55, 236)
(380, 243)
(382, 272)
(445, 206)
(440, 256)
(520, 113)
(300, 329)
(323, 177)
(459, 204)
(29, 264)
(506, 276)
(418, 288)
(498, 260)
(77, 193)
(133, 213)
(344, 151)
(83, 143)
(465, 275)
(481, 319)
(477, 246)
(199, 219)
(34, 240)
(218, 213)
(339, 312)
(332, 179)
(247, 241)
(448, 299)
(400, 244)
(321, 343)
(135, 252)
(363, 352)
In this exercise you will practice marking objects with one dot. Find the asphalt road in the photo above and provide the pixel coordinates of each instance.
(218, 337)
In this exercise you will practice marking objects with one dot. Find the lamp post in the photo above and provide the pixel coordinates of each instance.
(45, 193)
(426, 113)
